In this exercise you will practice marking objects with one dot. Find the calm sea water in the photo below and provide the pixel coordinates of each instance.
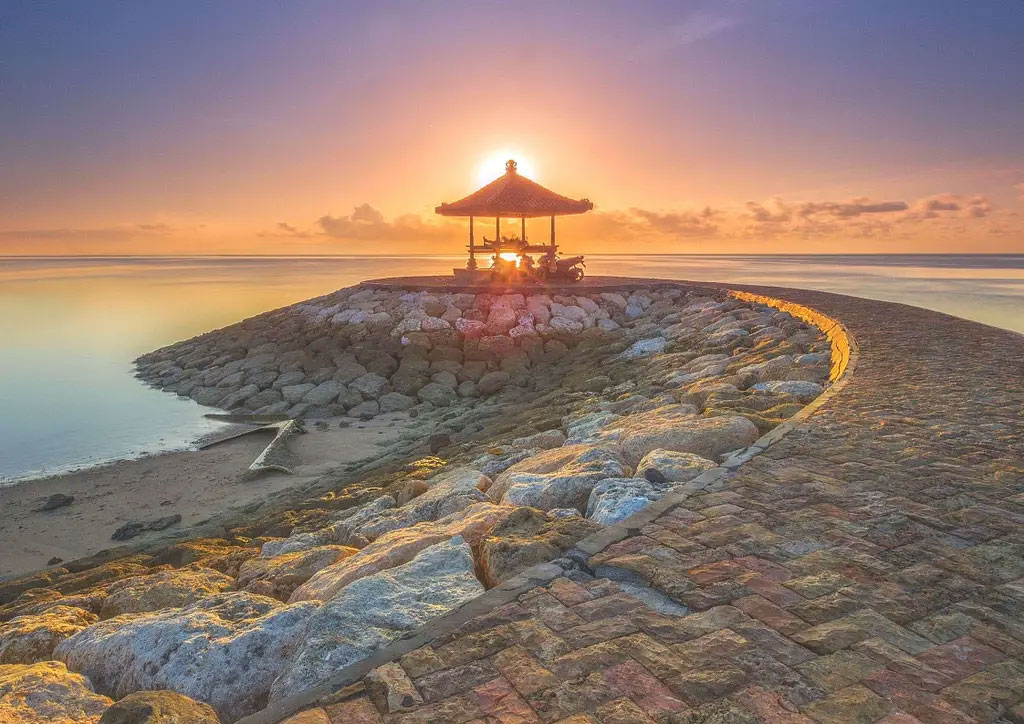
(70, 327)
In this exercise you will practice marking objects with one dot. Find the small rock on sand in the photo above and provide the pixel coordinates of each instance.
(57, 500)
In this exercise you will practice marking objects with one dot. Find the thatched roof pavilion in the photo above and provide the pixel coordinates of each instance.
(513, 196)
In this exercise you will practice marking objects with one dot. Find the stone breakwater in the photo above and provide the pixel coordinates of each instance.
(557, 415)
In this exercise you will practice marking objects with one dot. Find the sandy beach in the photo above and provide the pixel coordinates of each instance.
(197, 485)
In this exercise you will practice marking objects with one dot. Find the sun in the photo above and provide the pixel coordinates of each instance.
(492, 165)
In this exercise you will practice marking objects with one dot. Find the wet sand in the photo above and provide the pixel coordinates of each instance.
(195, 485)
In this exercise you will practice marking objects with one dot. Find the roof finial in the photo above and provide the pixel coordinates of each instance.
(510, 166)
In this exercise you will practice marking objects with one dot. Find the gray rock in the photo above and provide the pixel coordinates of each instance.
(645, 348)
(159, 707)
(57, 500)
(226, 650)
(558, 478)
(233, 400)
(708, 437)
(295, 393)
(492, 382)
(437, 394)
(671, 466)
(371, 612)
(438, 441)
(803, 391)
(324, 393)
(615, 499)
(370, 385)
(369, 407)
(467, 389)
(448, 492)
(395, 402)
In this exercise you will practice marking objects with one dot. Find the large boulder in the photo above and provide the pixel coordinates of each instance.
(31, 638)
(399, 547)
(164, 589)
(447, 492)
(337, 532)
(614, 499)
(159, 707)
(526, 537)
(395, 402)
(558, 478)
(803, 391)
(325, 393)
(438, 394)
(280, 575)
(671, 466)
(668, 428)
(226, 650)
(373, 611)
(47, 693)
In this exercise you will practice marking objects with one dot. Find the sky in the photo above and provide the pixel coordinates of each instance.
(309, 127)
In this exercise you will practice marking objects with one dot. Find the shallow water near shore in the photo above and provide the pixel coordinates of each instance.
(72, 326)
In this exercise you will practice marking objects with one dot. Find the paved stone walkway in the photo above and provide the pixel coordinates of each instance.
(869, 567)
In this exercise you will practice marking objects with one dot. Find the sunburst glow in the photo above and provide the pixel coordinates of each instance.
(492, 165)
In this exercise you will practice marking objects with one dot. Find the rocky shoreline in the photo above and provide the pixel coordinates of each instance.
(540, 419)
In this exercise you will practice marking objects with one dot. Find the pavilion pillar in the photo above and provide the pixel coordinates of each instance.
(553, 247)
(524, 230)
(471, 264)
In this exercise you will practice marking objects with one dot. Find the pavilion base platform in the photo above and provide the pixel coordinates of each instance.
(471, 276)
(487, 285)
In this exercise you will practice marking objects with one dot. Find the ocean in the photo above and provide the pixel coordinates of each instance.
(71, 326)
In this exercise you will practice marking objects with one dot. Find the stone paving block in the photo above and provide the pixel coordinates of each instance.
(853, 705)
(586, 660)
(391, 689)
(571, 697)
(569, 593)
(553, 613)
(498, 701)
(699, 686)
(605, 607)
(602, 629)
(716, 594)
(767, 672)
(914, 670)
(771, 571)
(943, 627)
(523, 671)
(782, 648)
(878, 625)
(310, 716)
(633, 680)
(832, 636)
(839, 670)
(698, 624)
(711, 648)
(825, 608)
(987, 694)
(655, 656)
(769, 614)
(768, 706)
(622, 711)
(960, 658)
(540, 641)
(359, 710)
(445, 683)
(922, 704)
(453, 710)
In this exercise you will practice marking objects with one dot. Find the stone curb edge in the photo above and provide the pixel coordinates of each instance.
(844, 358)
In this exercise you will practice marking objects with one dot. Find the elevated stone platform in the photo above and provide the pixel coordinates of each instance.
(866, 567)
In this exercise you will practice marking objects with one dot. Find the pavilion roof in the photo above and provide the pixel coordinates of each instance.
(512, 195)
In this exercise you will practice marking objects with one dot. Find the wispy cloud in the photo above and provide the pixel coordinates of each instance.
(700, 24)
